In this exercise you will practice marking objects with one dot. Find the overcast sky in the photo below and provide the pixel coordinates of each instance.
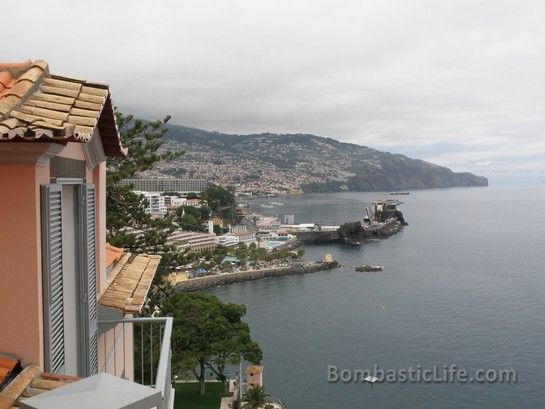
(459, 83)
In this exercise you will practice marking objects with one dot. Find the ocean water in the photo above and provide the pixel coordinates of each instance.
(463, 284)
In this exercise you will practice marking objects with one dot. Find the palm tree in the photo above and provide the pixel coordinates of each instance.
(256, 398)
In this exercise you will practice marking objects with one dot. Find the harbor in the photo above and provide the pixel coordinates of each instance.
(379, 220)
(424, 303)
(276, 252)
(274, 245)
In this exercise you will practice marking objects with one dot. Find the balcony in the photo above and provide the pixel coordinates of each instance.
(151, 344)
(134, 372)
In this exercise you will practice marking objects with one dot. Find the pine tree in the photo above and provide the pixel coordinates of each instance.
(124, 208)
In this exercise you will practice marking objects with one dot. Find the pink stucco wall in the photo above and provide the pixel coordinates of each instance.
(21, 311)
(20, 254)
(118, 360)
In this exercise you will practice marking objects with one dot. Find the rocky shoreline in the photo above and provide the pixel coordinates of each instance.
(203, 283)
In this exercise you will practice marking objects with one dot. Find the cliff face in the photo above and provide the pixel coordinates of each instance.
(301, 162)
(398, 172)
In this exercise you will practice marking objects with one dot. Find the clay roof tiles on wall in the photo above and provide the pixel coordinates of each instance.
(113, 254)
(129, 282)
(38, 106)
(7, 366)
(31, 381)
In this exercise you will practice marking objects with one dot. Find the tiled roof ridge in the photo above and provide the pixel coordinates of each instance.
(36, 105)
(13, 70)
(25, 79)
(81, 81)
(21, 64)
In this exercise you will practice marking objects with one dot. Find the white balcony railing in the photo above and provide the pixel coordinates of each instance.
(151, 343)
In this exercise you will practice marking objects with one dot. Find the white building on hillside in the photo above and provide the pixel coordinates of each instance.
(238, 228)
(192, 240)
(167, 184)
(228, 240)
(172, 202)
(267, 223)
(156, 203)
(245, 237)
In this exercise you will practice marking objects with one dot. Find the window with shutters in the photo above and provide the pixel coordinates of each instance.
(90, 320)
(52, 268)
(59, 335)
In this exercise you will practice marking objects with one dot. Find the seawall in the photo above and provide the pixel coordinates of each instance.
(203, 283)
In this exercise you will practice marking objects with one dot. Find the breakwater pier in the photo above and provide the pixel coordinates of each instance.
(203, 283)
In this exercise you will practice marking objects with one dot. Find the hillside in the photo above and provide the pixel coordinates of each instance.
(299, 162)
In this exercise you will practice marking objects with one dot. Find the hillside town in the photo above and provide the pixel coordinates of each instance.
(250, 174)
(214, 235)
(274, 164)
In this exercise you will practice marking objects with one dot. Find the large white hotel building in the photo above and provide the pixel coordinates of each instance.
(167, 185)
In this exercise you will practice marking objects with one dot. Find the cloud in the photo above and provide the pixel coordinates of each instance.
(456, 82)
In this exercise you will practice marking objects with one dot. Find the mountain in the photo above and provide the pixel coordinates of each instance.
(276, 163)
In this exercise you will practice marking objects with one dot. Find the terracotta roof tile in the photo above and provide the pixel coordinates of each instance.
(6, 80)
(129, 288)
(38, 106)
(6, 367)
(30, 382)
(113, 254)
(10, 65)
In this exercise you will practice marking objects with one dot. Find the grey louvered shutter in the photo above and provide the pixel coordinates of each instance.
(90, 282)
(51, 208)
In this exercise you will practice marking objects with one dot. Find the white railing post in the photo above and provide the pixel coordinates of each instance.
(163, 380)
(163, 374)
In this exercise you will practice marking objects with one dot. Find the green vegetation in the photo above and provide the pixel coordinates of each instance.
(208, 334)
(222, 203)
(188, 396)
(171, 193)
(323, 187)
(127, 209)
(256, 398)
(192, 218)
(210, 259)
